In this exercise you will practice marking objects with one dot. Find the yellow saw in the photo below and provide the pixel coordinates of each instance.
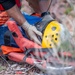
(53, 32)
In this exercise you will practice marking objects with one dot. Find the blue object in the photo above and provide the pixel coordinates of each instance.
(3, 29)
(31, 19)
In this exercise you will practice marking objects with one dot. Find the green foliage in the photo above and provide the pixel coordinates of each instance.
(67, 47)
(68, 10)
(2, 68)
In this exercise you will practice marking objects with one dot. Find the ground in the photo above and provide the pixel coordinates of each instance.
(64, 12)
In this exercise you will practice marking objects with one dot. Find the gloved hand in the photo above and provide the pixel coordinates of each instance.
(32, 32)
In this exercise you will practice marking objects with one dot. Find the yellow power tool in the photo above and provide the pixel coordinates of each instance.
(51, 30)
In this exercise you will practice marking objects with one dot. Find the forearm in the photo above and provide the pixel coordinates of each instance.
(15, 13)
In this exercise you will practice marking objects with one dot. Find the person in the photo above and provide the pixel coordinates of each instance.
(13, 11)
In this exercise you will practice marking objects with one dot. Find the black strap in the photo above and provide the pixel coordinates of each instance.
(7, 38)
(45, 13)
(1, 53)
(29, 51)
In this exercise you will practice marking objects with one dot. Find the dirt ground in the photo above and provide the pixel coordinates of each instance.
(64, 12)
